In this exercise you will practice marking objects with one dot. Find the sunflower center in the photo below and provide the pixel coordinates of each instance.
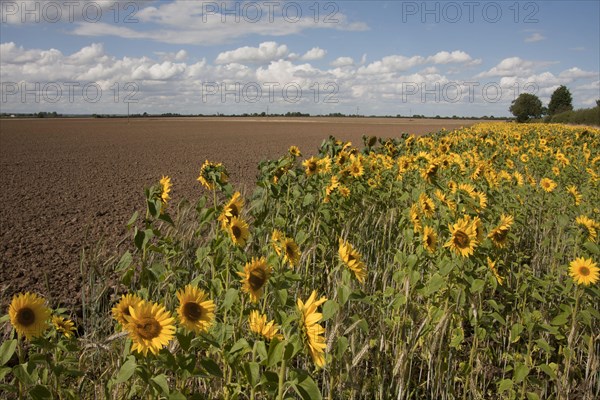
(26, 316)
(237, 232)
(461, 239)
(233, 210)
(257, 279)
(312, 166)
(500, 236)
(192, 311)
(584, 271)
(289, 250)
(429, 240)
(148, 328)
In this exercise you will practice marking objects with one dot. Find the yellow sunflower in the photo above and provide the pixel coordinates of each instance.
(352, 258)
(428, 173)
(254, 278)
(577, 197)
(313, 332)
(238, 230)
(311, 165)
(344, 191)
(276, 239)
(165, 186)
(291, 253)
(427, 205)
(150, 327)
(356, 168)
(258, 324)
(64, 326)
(196, 311)
(415, 218)
(590, 226)
(548, 184)
(212, 174)
(464, 237)
(492, 267)
(294, 151)
(499, 234)
(429, 239)
(120, 312)
(584, 271)
(232, 209)
(324, 165)
(29, 315)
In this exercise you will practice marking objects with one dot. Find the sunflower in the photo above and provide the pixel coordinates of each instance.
(313, 332)
(196, 311)
(29, 315)
(150, 327)
(499, 234)
(415, 218)
(120, 312)
(524, 158)
(590, 225)
(233, 208)
(344, 191)
(294, 151)
(276, 239)
(342, 158)
(482, 200)
(428, 173)
(254, 277)
(238, 230)
(324, 165)
(577, 197)
(584, 271)
(427, 205)
(64, 326)
(165, 189)
(429, 239)
(519, 178)
(478, 226)
(442, 197)
(464, 237)
(311, 165)
(548, 184)
(468, 189)
(291, 253)
(258, 324)
(212, 174)
(492, 267)
(356, 168)
(352, 258)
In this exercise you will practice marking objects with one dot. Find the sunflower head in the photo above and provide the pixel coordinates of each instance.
(238, 231)
(352, 258)
(492, 267)
(311, 166)
(196, 311)
(590, 226)
(584, 271)
(259, 325)
(429, 239)
(427, 205)
(313, 331)
(150, 327)
(463, 239)
(548, 184)
(254, 278)
(29, 315)
(212, 175)
(165, 189)
(120, 312)
(64, 326)
(499, 235)
(232, 209)
(415, 218)
(291, 253)
(295, 151)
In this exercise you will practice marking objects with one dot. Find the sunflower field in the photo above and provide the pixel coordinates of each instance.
(456, 265)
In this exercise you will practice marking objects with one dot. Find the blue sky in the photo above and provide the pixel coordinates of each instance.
(385, 57)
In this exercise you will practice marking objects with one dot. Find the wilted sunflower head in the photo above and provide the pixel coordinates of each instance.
(291, 253)
(254, 277)
(196, 311)
(120, 312)
(29, 315)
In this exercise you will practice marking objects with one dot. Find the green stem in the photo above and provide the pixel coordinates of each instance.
(280, 390)
(570, 342)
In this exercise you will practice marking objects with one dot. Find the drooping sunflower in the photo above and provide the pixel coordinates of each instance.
(196, 311)
(150, 327)
(165, 189)
(499, 234)
(259, 325)
(577, 197)
(427, 205)
(430, 239)
(29, 315)
(492, 267)
(463, 238)
(415, 218)
(254, 278)
(64, 326)
(238, 231)
(428, 173)
(291, 252)
(311, 166)
(276, 239)
(483, 200)
(590, 226)
(120, 312)
(313, 332)
(548, 184)
(232, 209)
(295, 151)
(212, 174)
(352, 258)
(584, 271)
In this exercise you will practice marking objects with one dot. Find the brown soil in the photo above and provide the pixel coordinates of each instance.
(70, 183)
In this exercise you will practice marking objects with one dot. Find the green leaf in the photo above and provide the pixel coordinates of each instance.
(308, 199)
(252, 371)
(240, 345)
(343, 294)
(532, 396)
(211, 367)
(275, 353)
(21, 373)
(132, 220)
(39, 392)
(330, 308)
(411, 261)
(341, 345)
(548, 370)
(592, 248)
(560, 319)
(504, 385)
(515, 332)
(458, 335)
(124, 262)
(126, 370)
(520, 373)
(161, 382)
(477, 286)
(543, 344)
(177, 396)
(7, 350)
(230, 297)
(306, 387)
(436, 282)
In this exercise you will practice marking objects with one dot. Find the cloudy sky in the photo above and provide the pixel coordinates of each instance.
(466, 58)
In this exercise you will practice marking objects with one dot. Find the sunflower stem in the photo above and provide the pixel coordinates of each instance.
(280, 390)
(570, 342)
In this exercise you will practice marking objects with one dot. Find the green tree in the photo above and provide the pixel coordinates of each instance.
(560, 101)
(525, 106)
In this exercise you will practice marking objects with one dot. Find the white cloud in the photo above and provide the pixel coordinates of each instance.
(514, 66)
(457, 56)
(264, 53)
(316, 53)
(342, 62)
(534, 37)
(577, 73)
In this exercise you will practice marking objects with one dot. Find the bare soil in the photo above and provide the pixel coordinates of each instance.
(70, 184)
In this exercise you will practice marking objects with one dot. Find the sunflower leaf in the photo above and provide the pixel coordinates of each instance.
(211, 367)
(7, 350)
(126, 371)
(306, 386)
(160, 381)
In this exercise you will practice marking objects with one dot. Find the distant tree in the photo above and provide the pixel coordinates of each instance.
(560, 101)
(525, 106)
(598, 103)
